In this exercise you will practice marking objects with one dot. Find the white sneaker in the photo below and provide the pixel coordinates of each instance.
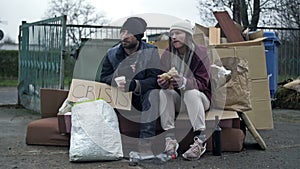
(171, 147)
(196, 150)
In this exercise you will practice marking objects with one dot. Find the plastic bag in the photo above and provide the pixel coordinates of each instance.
(230, 86)
(95, 134)
(219, 77)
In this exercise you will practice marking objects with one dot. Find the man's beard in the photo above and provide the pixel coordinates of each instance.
(128, 45)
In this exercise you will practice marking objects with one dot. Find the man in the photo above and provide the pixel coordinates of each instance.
(138, 61)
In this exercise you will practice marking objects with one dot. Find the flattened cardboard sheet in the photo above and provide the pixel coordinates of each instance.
(96, 90)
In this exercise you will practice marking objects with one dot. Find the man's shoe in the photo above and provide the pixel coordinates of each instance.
(196, 150)
(171, 147)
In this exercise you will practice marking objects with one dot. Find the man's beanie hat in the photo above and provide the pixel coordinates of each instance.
(183, 25)
(135, 25)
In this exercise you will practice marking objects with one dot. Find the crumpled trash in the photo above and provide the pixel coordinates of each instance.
(220, 75)
(294, 85)
(65, 107)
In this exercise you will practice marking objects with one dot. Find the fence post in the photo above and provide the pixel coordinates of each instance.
(62, 54)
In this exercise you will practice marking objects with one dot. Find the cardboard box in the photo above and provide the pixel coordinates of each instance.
(201, 29)
(64, 122)
(228, 119)
(254, 42)
(261, 114)
(230, 123)
(214, 36)
(211, 114)
(223, 114)
(200, 39)
(51, 100)
(259, 89)
(232, 140)
(255, 35)
(254, 54)
(161, 45)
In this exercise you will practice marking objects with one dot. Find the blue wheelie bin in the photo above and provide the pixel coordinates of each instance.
(271, 46)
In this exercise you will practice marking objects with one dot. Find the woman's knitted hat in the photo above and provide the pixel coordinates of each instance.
(183, 25)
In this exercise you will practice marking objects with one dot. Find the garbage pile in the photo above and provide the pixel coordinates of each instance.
(288, 94)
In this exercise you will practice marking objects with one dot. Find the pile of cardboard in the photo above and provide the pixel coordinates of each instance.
(226, 43)
(250, 48)
(227, 39)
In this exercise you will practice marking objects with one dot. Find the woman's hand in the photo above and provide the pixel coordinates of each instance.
(176, 81)
(163, 83)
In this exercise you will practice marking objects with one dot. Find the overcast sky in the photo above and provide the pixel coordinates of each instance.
(13, 12)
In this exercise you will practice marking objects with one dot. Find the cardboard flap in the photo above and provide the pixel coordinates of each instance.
(223, 114)
(257, 41)
(51, 100)
(227, 25)
(95, 90)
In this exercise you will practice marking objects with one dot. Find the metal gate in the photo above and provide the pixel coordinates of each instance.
(45, 50)
(41, 59)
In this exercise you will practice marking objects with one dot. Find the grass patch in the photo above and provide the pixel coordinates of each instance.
(14, 82)
(9, 82)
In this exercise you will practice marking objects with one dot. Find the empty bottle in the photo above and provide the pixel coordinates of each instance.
(217, 138)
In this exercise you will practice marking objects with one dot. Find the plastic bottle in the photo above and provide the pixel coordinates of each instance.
(164, 157)
(217, 139)
(133, 158)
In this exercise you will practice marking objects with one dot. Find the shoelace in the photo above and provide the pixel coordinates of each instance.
(196, 146)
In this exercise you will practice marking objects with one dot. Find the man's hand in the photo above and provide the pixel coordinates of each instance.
(122, 85)
(163, 83)
(127, 86)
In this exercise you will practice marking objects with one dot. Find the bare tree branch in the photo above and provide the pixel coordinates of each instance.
(254, 12)
(79, 12)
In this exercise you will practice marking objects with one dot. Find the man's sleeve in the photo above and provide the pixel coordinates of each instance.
(107, 71)
(152, 70)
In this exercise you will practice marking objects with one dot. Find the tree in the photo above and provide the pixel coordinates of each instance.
(285, 12)
(240, 10)
(8, 40)
(251, 13)
(206, 9)
(79, 12)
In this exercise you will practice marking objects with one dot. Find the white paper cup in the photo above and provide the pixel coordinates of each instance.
(120, 79)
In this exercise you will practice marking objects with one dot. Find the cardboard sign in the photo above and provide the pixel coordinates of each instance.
(94, 90)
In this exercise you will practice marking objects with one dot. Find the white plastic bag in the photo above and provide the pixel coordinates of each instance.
(95, 134)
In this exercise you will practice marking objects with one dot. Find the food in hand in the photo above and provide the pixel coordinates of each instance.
(172, 72)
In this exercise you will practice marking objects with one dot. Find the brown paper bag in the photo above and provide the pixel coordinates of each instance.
(235, 93)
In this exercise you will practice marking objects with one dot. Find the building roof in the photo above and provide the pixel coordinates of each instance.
(152, 19)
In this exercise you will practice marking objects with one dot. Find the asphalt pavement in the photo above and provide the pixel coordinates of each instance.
(283, 145)
(8, 96)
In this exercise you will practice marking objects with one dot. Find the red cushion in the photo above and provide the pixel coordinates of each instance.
(232, 140)
(45, 132)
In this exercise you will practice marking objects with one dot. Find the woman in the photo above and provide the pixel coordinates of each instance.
(186, 81)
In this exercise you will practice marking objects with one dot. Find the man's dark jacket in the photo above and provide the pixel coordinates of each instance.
(146, 59)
